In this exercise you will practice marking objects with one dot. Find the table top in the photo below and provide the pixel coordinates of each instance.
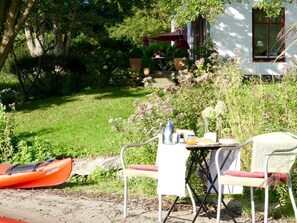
(210, 145)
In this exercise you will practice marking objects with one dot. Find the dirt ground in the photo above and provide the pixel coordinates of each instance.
(53, 205)
(57, 205)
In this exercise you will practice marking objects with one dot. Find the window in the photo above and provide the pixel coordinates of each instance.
(267, 45)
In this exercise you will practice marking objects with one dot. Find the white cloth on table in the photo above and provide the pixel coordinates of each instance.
(232, 163)
(171, 161)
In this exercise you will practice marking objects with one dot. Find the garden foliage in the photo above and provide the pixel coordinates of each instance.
(49, 75)
(248, 108)
(6, 133)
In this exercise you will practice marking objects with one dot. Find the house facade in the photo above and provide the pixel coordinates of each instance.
(246, 33)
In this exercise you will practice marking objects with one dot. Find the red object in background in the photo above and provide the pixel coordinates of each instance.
(145, 41)
(10, 220)
(182, 43)
(172, 36)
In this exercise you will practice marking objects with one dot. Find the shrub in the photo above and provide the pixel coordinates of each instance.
(36, 151)
(180, 53)
(101, 62)
(135, 52)
(125, 77)
(51, 75)
(9, 96)
(6, 133)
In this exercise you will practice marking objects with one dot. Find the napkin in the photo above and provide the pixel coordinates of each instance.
(171, 161)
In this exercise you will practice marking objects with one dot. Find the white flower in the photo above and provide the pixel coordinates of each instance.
(220, 108)
(208, 112)
(105, 67)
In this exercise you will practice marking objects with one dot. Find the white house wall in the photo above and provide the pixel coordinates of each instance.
(232, 34)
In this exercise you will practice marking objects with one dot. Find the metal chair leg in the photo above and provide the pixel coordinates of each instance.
(160, 208)
(252, 205)
(125, 196)
(219, 202)
(292, 199)
(192, 198)
(266, 203)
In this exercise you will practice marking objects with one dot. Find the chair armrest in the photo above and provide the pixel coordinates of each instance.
(283, 151)
(122, 154)
(219, 166)
(279, 152)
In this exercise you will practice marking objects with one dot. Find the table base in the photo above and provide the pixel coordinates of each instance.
(198, 160)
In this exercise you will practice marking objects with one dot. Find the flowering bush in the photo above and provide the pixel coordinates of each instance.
(182, 104)
(213, 117)
(102, 63)
(213, 92)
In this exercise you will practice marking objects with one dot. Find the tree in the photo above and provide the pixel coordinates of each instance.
(134, 27)
(52, 21)
(185, 11)
(13, 15)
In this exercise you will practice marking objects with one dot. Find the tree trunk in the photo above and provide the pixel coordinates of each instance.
(35, 41)
(13, 21)
(62, 37)
(24, 96)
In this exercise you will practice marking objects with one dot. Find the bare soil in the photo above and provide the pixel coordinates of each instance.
(58, 205)
(51, 205)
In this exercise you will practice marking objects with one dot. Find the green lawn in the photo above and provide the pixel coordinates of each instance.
(78, 122)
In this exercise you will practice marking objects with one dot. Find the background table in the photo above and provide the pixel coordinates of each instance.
(165, 63)
(198, 160)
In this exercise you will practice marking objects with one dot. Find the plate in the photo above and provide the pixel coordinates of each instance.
(208, 143)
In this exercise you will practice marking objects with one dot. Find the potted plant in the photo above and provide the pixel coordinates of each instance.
(180, 57)
(135, 55)
(146, 63)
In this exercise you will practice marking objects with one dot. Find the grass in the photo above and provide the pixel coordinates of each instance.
(79, 122)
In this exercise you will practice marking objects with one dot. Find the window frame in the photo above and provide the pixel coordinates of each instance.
(268, 23)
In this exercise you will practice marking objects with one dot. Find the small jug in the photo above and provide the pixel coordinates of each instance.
(168, 133)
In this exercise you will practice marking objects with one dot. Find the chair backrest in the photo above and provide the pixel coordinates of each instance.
(265, 144)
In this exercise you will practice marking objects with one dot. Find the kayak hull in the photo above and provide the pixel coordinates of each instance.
(10, 220)
(46, 174)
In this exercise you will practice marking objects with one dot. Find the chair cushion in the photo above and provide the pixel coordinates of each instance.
(276, 176)
(143, 167)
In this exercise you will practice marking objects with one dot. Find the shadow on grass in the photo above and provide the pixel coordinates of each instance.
(26, 135)
(44, 103)
(99, 94)
(119, 93)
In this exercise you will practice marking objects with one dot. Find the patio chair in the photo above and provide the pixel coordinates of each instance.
(273, 155)
(140, 170)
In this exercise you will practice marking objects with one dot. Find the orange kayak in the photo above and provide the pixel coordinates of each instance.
(9, 220)
(49, 173)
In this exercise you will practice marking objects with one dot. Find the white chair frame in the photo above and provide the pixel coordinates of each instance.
(255, 182)
(128, 173)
